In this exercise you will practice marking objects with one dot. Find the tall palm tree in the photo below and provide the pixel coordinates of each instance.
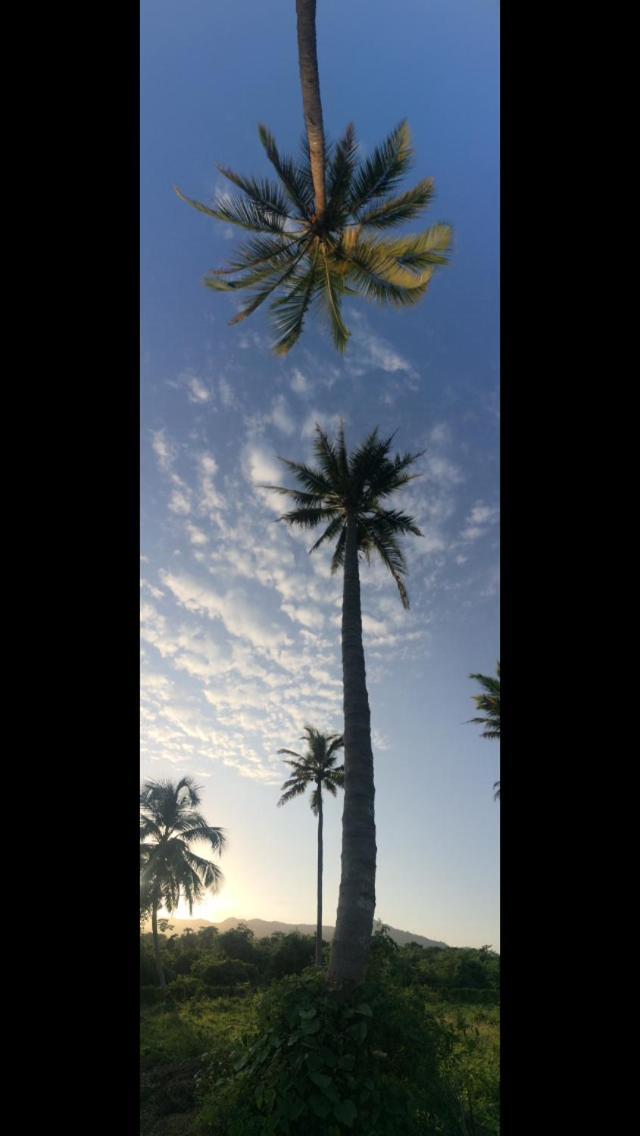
(170, 825)
(312, 105)
(316, 767)
(317, 228)
(348, 493)
(489, 703)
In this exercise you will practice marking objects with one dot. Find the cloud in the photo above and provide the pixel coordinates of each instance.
(300, 383)
(196, 535)
(241, 617)
(371, 352)
(164, 450)
(197, 391)
(480, 517)
(330, 423)
(179, 503)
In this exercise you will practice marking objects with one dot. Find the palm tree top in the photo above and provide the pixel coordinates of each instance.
(302, 254)
(354, 485)
(488, 703)
(316, 767)
(170, 823)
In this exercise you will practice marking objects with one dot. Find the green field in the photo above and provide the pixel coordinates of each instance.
(222, 1060)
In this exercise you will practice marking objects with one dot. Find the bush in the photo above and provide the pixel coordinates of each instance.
(185, 987)
(223, 972)
(153, 995)
(372, 1064)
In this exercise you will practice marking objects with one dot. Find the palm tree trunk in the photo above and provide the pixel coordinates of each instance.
(319, 913)
(357, 899)
(310, 83)
(156, 943)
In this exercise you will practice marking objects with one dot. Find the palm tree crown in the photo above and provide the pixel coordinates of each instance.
(317, 767)
(305, 251)
(489, 704)
(354, 486)
(169, 825)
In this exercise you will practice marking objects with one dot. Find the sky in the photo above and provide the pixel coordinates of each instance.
(240, 627)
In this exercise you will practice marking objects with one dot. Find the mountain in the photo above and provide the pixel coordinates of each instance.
(262, 928)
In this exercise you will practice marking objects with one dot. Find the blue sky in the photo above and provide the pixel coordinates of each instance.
(240, 627)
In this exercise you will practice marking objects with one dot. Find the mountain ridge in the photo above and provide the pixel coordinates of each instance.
(262, 928)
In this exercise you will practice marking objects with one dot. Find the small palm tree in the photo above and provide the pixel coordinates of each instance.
(316, 767)
(489, 704)
(169, 868)
(348, 493)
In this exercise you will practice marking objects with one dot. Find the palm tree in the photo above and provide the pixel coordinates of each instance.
(316, 767)
(348, 494)
(317, 228)
(169, 825)
(489, 703)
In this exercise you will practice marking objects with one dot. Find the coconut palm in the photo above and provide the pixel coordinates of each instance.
(348, 494)
(489, 703)
(317, 767)
(317, 226)
(170, 825)
(300, 255)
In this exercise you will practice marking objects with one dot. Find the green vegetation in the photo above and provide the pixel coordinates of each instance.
(272, 1049)
(489, 703)
(318, 768)
(318, 223)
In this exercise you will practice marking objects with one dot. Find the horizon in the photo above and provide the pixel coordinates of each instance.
(239, 626)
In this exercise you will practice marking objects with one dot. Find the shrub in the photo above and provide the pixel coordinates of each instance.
(223, 972)
(372, 1064)
(153, 995)
(185, 987)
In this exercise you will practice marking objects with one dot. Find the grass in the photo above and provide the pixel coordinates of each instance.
(180, 1043)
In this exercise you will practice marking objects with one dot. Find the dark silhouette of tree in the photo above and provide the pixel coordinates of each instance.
(489, 703)
(317, 768)
(170, 825)
(348, 494)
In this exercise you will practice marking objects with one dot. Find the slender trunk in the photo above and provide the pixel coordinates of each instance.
(156, 943)
(357, 900)
(319, 914)
(310, 83)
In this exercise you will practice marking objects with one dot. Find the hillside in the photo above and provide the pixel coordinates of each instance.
(262, 928)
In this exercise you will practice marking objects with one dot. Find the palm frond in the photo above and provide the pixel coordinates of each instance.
(291, 309)
(244, 213)
(332, 529)
(339, 331)
(298, 188)
(399, 210)
(381, 172)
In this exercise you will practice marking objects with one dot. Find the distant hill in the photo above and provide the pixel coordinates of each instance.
(262, 928)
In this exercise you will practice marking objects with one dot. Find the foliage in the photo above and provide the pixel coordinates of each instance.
(297, 257)
(316, 767)
(489, 703)
(224, 972)
(170, 824)
(355, 484)
(319, 1063)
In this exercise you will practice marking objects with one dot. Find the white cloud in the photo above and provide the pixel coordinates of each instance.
(197, 391)
(164, 450)
(196, 535)
(179, 503)
(300, 383)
